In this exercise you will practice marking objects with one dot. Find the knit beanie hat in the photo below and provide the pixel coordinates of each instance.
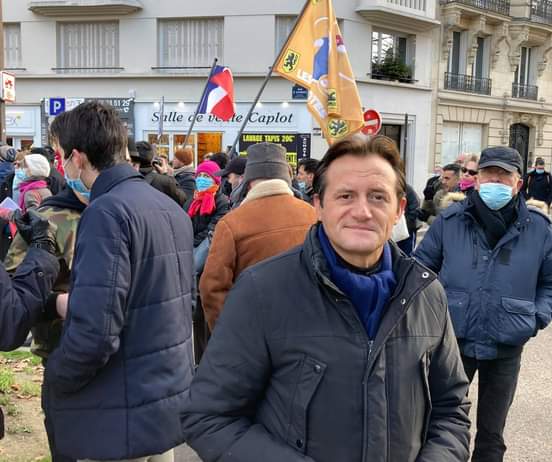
(266, 161)
(37, 165)
(7, 153)
(210, 168)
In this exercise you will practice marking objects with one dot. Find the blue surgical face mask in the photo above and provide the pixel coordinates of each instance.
(76, 184)
(302, 186)
(540, 171)
(495, 195)
(20, 175)
(204, 183)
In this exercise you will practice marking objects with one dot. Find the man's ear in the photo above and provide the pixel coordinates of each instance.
(79, 158)
(317, 202)
(402, 207)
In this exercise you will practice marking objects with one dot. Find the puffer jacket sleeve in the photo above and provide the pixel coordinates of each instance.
(543, 299)
(22, 299)
(430, 250)
(218, 275)
(218, 418)
(97, 302)
(448, 436)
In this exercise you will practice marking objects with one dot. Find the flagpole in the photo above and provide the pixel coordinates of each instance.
(233, 152)
(197, 110)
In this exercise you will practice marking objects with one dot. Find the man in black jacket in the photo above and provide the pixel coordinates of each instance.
(538, 183)
(142, 157)
(117, 382)
(338, 350)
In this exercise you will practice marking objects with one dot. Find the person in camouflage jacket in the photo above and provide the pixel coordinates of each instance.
(64, 210)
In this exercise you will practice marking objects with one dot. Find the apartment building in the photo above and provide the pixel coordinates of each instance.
(138, 53)
(495, 78)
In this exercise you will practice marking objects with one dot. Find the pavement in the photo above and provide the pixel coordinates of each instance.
(529, 428)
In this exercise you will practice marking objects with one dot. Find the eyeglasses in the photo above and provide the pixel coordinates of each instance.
(471, 172)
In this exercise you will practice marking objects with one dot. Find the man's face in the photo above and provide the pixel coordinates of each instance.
(304, 176)
(234, 179)
(360, 207)
(499, 175)
(449, 180)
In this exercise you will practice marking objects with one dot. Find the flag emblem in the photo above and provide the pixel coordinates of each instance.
(291, 60)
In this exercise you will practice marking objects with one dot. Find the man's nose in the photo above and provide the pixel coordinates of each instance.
(362, 210)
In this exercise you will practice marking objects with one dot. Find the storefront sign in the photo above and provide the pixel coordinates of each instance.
(8, 87)
(124, 107)
(297, 145)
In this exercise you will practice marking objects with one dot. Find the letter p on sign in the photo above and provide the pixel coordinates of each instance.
(57, 106)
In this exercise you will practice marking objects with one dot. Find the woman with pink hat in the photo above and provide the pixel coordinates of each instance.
(205, 209)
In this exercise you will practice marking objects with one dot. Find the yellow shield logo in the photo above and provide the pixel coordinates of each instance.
(291, 60)
(338, 128)
(332, 101)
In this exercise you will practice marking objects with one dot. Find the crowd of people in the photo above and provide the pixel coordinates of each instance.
(255, 311)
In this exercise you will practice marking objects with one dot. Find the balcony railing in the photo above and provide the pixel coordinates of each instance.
(541, 11)
(467, 83)
(525, 91)
(414, 4)
(498, 6)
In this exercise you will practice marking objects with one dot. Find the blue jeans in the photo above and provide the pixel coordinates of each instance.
(200, 255)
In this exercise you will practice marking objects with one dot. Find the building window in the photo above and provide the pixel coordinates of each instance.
(525, 72)
(189, 43)
(457, 55)
(88, 47)
(284, 26)
(12, 45)
(481, 64)
(460, 138)
(392, 56)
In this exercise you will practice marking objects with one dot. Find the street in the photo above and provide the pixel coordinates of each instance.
(530, 420)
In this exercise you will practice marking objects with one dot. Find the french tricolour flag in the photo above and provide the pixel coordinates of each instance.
(219, 96)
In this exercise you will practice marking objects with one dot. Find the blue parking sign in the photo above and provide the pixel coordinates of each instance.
(57, 106)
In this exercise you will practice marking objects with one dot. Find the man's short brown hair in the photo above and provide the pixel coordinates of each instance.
(361, 146)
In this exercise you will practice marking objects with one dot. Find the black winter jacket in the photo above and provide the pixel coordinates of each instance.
(538, 186)
(290, 374)
(116, 384)
(23, 298)
(166, 184)
(186, 181)
(204, 225)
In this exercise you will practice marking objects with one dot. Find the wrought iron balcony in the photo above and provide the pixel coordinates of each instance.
(497, 6)
(467, 83)
(525, 91)
(541, 11)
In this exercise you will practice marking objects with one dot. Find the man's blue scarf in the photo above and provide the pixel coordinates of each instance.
(369, 294)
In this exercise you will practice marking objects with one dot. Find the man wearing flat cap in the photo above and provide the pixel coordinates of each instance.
(493, 255)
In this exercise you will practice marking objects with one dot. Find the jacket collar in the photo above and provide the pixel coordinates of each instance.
(523, 215)
(111, 177)
(411, 276)
(187, 169)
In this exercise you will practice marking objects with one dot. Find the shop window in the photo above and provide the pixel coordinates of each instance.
(12, 45)
(88, 47)
(161, 144)
(193, 42)
(460, 138)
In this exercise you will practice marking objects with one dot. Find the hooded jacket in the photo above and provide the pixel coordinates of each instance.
(290, 375)
(493, 308)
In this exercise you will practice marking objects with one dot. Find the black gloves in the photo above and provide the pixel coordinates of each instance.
(36, 230)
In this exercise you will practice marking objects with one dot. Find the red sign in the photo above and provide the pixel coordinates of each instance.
(8, 87)
(372, 122)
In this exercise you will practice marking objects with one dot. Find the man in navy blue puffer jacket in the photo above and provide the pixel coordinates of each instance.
(115, 386)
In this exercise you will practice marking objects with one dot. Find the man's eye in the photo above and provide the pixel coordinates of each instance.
(344, 196)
